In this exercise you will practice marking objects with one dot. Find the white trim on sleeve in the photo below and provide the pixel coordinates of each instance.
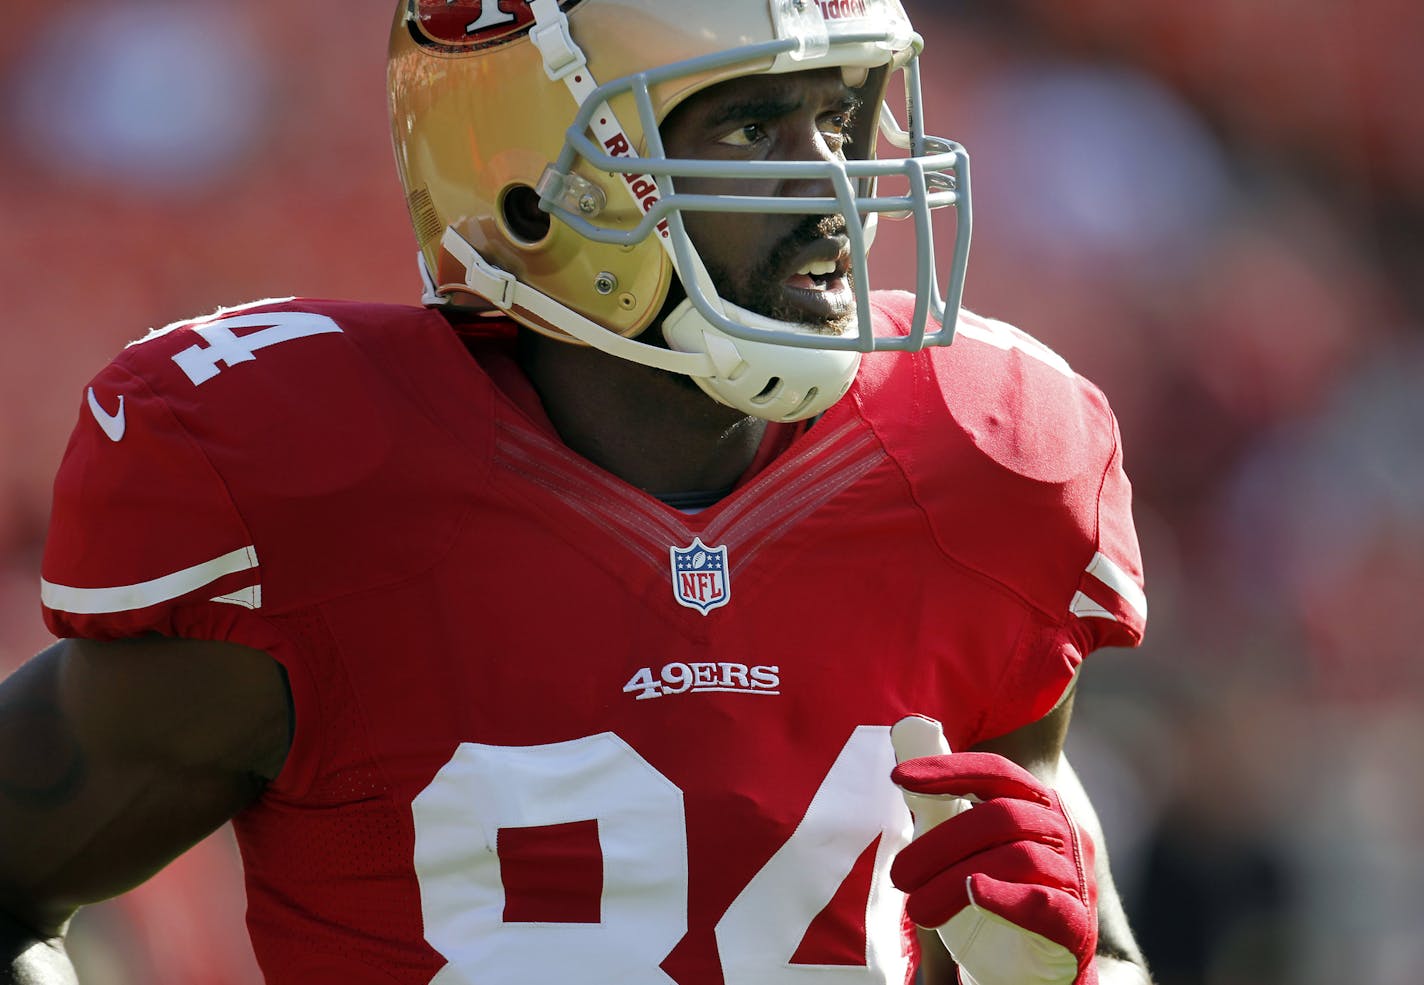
(124, 598)
(1085, 608)
(249, 597)
(1107, 572)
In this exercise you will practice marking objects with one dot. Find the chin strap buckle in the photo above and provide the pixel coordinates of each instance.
(550, 34)
(484, 278)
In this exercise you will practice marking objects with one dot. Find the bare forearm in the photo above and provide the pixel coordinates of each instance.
(25, 959)
(116, 758)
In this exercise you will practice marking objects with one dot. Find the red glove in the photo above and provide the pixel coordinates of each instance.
(1008, 884)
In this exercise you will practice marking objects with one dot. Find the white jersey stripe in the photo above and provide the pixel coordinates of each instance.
(249, 597)
(123, 598)
(1103, 569)
(1085, 608)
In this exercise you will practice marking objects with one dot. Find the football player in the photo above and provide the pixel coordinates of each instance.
(554, 630)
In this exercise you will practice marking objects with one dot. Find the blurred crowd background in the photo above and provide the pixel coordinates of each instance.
(1215, 210)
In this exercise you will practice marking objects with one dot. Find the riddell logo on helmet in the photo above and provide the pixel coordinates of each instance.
(643, 187)
(839, 9)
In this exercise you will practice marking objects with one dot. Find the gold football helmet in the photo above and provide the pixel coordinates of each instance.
(526, 135)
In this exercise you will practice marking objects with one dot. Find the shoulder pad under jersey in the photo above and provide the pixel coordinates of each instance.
(1018, 463)
(256, 458)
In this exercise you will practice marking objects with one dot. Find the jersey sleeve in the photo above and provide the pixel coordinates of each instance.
(1106, 607)
(1110, 604)
(142, 533)
(228, 475)
(1017, 462)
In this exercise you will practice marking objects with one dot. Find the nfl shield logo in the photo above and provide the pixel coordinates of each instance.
(700, 579)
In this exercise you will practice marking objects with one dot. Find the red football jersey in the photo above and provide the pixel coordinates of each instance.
(547, 727)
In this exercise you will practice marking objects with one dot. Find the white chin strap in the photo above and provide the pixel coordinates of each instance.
(764, 379)
(774, 382)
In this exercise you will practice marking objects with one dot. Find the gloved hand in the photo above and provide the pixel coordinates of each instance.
(1007, 884)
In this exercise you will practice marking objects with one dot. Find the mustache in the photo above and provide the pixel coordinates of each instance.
(810, 229)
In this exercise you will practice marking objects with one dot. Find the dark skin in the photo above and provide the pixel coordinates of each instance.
(117, 757)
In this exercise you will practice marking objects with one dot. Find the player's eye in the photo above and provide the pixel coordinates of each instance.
(744, 136)
(836, 129)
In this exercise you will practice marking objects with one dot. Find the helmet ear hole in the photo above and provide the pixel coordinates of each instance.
(522, 215)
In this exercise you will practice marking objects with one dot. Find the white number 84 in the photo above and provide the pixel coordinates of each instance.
(642, 835)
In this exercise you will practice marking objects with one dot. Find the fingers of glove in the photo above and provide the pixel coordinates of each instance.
(961, 838)
(1057, 915)
(981, 774)
(943, 895)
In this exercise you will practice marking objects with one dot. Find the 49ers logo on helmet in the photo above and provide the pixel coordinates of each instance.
(466, 24)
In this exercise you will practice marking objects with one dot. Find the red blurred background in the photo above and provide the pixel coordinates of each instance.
(1215, 210)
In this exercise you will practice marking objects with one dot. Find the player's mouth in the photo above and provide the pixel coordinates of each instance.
(820, 283)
